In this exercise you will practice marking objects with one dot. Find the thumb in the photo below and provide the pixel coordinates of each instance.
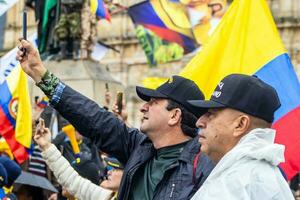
(47, 131)
(27, 45)
(36, 137)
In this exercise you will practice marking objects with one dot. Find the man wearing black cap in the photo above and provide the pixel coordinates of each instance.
(164, 162)
(236, 133)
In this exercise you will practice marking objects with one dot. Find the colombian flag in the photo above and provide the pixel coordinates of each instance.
(15, 113)
(154, 15)
(98, 7)
(247, 41)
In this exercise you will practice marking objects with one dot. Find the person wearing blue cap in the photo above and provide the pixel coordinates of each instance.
(3, 180)
(236, 134)
(13, 172)
(162, 159)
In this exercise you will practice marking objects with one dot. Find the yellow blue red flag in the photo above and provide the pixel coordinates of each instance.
(15, 113)
(247, 41)
(153, 16)
(99, 8)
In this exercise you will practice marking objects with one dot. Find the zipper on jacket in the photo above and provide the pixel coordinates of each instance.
(172, 190)
(132, 172)
(164, 182)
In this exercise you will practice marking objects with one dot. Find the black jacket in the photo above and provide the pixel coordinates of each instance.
(133, 148)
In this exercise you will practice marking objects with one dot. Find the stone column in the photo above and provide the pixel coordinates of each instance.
(296, 9)
(286, 8)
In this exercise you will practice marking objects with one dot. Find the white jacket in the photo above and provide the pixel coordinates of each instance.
(248, 171)
(81, 188)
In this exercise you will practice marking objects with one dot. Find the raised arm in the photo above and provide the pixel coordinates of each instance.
(109, 133)
(65, 174)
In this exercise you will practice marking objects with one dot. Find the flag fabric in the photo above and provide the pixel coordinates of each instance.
(247, 41)
(70, 131)
(5, 149)
(99, 8)
(49, 6)
(5, 5)
(156, 49)
(153, 82)
(43, 103)
(153, 16)
(182, 26)
(15, 113)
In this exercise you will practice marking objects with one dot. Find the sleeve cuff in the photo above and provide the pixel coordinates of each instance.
(48, 84)
(57, 94)
(50, 151)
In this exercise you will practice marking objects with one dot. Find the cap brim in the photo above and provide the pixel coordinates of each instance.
(146, 94)
(206, 104)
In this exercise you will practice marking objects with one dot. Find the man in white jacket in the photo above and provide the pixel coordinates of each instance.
(236, 133)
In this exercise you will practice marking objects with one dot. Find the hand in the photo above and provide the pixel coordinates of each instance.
(30, 61)
(53, 196)
(42, 135)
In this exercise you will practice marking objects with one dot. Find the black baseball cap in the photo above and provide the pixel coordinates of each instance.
(178, 89)
(245, 93)
(88, 169)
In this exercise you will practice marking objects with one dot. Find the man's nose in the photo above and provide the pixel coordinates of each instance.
(201, 122)
(144, 107)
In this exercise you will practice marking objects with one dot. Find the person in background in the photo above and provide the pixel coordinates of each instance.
(13, 172)
(79, 187)
(3, 180)
(87, 169)
(113, 176)
(89, 30)
(68, 28)
(295, 186)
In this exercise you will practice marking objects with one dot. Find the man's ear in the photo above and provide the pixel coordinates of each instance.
(242, 124)
(175, 117)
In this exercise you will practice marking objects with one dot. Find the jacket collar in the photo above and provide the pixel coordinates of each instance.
(188, 153)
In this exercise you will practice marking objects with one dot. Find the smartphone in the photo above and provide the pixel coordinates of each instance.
(119, 101)
(25, 24)
(36, 99)
(24, 29)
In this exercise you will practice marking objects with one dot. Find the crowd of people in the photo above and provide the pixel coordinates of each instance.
(186, 147)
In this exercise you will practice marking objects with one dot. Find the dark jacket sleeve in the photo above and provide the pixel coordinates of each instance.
(109, 133)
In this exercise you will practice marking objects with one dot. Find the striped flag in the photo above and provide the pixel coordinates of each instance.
(99, 8)
(247, 41)
(15, 113)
